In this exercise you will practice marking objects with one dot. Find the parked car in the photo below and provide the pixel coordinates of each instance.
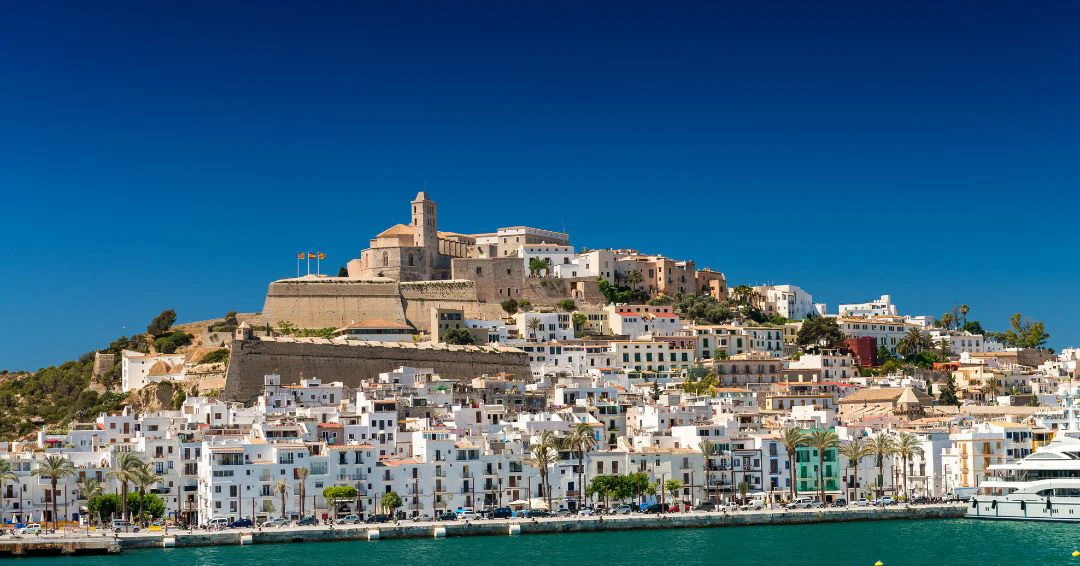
(30, 529)
(447, 516)
(862, 502)
(468, 515)
(350, 519)
(622, 510)
(563, 512)
(801, 503)
(653, 509)
(839, 502)
(586, 512)
(920, 500)
(274, 523)
(241, 524)
(886, 500)
(307, 522)
(532, 513)
(501, 513)
(705, 506)
(379, 518)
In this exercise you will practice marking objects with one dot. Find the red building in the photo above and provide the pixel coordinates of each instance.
(864, 349)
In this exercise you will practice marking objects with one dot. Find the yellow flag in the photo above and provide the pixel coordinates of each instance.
(310, 255)
(322, 255)
(300, 255)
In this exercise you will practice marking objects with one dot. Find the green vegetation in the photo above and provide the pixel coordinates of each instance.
(52, 395)
(103, 506)
(161, 323)
(704, 308)
(169, 343)
(390, 501)
(820, 333)
(510, 306)
(613, 294)
(536, 265)
(315, 332)
(947, 395)
(151, 505)
(1023, 333)
(567, 305)
(620, 488)
(524, 305)
(458, 337)
(339, 493)
(704, 386)
(218, 356)
(227, 325)
(580, 320)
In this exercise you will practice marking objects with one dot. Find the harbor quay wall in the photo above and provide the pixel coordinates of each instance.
(250, 360)
(408, 529)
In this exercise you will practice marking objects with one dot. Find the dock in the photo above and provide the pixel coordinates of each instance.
(108, 543)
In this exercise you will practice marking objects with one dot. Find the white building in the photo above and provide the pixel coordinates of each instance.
(138, 370)
(879, 307)
(787, 301)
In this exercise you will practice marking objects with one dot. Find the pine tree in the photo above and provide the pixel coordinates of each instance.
(948, 392)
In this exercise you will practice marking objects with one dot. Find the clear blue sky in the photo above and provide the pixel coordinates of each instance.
(156, 156)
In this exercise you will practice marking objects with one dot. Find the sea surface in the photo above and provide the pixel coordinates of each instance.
(951, 542)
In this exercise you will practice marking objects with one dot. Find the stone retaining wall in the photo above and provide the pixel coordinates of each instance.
(250, 360)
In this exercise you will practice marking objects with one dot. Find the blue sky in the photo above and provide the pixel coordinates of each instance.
(156, 156)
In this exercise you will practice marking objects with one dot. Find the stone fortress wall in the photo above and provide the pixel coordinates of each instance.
(296, 358)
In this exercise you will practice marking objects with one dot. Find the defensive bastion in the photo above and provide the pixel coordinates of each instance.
(354, 361)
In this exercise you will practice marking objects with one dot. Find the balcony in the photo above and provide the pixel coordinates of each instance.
(351, 477)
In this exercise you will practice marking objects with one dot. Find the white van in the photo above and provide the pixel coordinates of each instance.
(219, 523)
(801, 503)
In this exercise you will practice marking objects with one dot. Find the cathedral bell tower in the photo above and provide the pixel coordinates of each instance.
(425, 227)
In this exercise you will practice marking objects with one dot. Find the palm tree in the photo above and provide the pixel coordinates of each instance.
(89, 487)
(964, 309)
(580, 441)
(534, 326)
(282, 489)
(907, 447)
(822, 440)
(855, 450)
(124, 471)
(914, 342)
(144, 478)
(7, 473)
(991, 388)
(544, 455)
(707, 450)
(882, 446)
(302, 475)
(947, 320)
(55, 467)
(791, 439)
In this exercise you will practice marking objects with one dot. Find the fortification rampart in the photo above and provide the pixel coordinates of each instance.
(352, 363)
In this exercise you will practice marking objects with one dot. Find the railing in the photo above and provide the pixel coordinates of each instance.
(352, 477)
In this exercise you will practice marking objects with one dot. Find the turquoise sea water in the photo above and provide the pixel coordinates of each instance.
(895, 543)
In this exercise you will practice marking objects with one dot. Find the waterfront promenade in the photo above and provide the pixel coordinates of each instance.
(107, 542)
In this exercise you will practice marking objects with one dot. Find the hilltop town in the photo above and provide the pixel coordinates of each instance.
(440, 372)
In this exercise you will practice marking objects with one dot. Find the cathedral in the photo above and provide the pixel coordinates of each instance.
(411, 252)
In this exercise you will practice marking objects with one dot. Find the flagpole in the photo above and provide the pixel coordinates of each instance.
(308, 263)
(297, 267)
(318, 263)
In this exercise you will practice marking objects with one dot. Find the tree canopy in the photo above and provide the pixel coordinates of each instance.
(458, 336)
(1023, 333)
(819, 333)
(161, 323)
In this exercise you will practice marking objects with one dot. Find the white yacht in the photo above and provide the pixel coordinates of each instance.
(1044, 486)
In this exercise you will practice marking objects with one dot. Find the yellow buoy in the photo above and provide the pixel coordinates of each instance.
(879, 563)
(1076, 553)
